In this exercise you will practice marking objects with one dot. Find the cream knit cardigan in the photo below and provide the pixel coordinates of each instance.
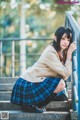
(48, 65)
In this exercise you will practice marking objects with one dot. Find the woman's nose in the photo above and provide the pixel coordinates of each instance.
(66, 41)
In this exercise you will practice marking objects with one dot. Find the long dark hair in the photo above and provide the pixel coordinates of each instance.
(56, 43)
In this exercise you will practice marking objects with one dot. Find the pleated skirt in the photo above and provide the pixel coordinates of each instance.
(28, 93)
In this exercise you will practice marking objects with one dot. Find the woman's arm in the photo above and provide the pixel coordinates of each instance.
(52, 61)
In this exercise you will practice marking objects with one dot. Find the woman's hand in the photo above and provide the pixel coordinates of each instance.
(71, 49)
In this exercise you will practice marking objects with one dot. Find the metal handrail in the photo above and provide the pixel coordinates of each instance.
(21, 39)
(71, 23)
(13, 54)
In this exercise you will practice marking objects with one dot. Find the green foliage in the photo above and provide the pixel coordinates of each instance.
(42, 19)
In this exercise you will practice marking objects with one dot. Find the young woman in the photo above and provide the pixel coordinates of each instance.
(42, 82)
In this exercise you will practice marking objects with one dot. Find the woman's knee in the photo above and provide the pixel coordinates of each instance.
(60, 86)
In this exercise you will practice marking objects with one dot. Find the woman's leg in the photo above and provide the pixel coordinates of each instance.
(61, 97)
(60, 86)
(58, 89)
(60, 92)
(47, 100)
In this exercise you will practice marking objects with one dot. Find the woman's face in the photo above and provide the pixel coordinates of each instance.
(64, 43)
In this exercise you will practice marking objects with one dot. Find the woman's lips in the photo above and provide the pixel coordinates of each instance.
(64, 45)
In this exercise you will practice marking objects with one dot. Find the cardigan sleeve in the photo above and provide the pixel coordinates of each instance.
(53, 62)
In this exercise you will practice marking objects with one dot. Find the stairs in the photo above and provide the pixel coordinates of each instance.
(55, 110)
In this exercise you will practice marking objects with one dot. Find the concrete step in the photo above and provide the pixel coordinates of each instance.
(48, 115)
(6, 95)
(69, 85)
(69, 94)
(8, 80)
(53, 105)
(6, 87)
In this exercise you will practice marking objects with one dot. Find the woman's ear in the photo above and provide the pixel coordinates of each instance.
(54, 37)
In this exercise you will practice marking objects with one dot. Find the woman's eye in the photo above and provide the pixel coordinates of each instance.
(63, 38)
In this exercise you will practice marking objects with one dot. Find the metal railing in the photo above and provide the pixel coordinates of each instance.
(71, 23)
(15, 63)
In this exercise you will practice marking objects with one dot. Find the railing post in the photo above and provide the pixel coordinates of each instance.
(22, 43)
(1, 58)
(78, 58)
(13, 58)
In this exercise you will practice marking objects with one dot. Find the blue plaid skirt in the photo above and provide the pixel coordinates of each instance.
(28, 93)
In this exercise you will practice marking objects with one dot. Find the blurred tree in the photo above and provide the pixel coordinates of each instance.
(42, 17)
(36, 12)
